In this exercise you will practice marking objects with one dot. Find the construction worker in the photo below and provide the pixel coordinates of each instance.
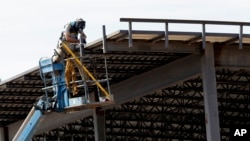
(74, 37)
(72, 31)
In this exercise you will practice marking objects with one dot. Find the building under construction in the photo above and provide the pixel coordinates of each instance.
(169, 85)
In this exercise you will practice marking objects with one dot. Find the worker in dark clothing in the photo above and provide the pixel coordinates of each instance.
(74, 38)
(73, 30)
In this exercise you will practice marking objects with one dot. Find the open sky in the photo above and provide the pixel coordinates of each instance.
(29, 29)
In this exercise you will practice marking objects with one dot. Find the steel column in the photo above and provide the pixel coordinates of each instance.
(6, 133)
(210, 94)
(166, 35)
(2, 138)
(104, 39)
(203, 36)
(99, 125)
(130, 38)
(241, 37)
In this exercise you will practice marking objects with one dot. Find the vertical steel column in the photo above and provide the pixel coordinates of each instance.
(58, 134)
(166, 35)
(241, 37)
(6, 133)
(99, 125)
(106, 73)
(130, 38)
(2, 134)
(44, 137)
(203, 36)
(210, 94)
(104, 42)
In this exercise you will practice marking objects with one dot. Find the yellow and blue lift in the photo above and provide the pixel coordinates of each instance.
(53, 75)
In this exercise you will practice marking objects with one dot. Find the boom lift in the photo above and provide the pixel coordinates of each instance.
(61, 99)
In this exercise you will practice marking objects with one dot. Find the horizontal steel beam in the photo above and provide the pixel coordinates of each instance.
(156, 79)
(232, 56)
(183, 21)
(142, 46)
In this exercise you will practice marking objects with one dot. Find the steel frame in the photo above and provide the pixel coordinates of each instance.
(174, 113)
(171, 113)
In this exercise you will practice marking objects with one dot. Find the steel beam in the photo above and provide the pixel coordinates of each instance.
(232, 56)
(4, 134)
(99, 125)
(156, 79)
(134, 87)
(210, 94)
(183, 21)
(141, 46)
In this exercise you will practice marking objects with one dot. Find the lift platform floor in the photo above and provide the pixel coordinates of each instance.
(91, 105)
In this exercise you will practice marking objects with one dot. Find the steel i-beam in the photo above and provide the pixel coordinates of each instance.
(210, 94)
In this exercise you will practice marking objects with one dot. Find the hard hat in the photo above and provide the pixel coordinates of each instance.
(80, 24)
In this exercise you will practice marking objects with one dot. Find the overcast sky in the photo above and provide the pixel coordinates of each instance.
(29, 29)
